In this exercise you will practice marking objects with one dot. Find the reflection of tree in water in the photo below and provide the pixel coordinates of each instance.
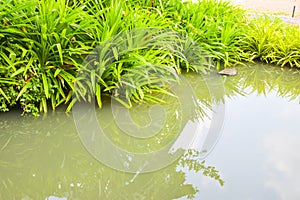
(44, 157)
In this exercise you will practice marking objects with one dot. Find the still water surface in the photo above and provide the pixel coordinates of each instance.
(256, 154)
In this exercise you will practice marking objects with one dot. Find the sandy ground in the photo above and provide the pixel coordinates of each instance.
(277, 7)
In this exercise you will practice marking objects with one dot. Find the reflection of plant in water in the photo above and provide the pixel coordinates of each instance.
(263, 79)
(192, 162)
(194, 99)
(44, 159)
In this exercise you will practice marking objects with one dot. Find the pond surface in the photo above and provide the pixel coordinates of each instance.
(60, 156)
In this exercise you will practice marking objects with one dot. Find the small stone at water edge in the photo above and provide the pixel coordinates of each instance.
(229, 72)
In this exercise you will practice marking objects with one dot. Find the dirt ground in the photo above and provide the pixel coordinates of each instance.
(277, 7)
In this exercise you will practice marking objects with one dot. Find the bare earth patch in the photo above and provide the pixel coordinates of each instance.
(283, 8)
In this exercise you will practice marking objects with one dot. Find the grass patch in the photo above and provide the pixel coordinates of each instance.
(272, 41)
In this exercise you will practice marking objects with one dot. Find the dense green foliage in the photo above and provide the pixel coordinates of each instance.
(273, 41)
(47, 57)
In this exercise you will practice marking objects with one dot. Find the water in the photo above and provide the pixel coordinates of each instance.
(255, 152)
(258, 153)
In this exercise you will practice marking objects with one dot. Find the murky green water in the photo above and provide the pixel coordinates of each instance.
(61, 156)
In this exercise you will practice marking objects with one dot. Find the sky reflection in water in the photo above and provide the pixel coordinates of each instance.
(258, 152)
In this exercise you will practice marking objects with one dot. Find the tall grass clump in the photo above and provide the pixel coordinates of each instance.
(217, 26)
(273, 41)
(135, 55)
(40, 51)
(45, 45)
